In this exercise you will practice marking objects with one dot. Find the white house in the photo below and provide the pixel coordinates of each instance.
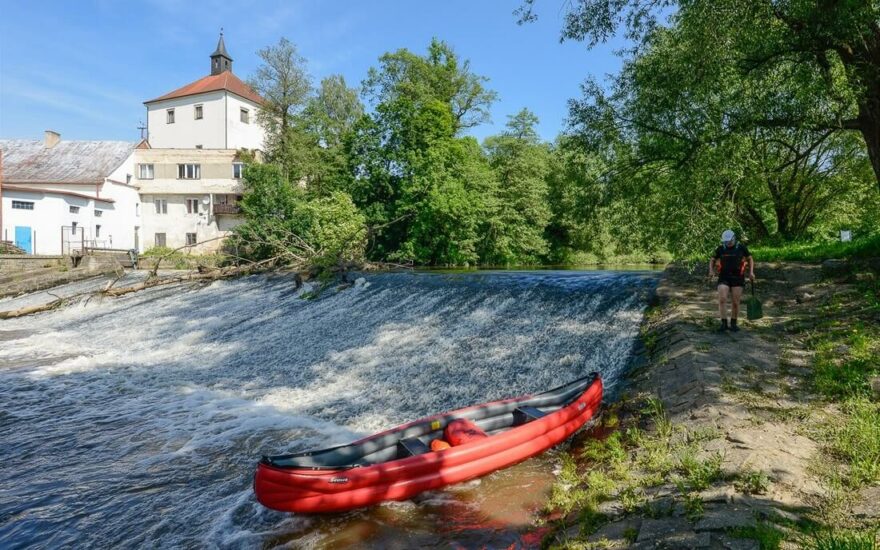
(188, 196)
(188, 172)
(218, 111)
(58, 195)
(178, 187)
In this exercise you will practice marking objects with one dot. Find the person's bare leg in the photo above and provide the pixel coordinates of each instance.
(723, 293)
(737, 292)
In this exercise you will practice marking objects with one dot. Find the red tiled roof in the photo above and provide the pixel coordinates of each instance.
(211, 83)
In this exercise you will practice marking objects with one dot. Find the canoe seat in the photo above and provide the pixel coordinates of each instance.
(524, 415)
(411, 447)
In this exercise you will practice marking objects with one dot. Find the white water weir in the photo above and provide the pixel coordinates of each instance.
(137, 421)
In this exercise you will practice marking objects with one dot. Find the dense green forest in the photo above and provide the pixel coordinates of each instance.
(756, 115)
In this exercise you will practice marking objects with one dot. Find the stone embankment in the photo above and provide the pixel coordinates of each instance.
(21, 274)
(714, 445)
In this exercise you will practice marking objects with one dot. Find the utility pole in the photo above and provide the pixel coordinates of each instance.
(142, 127)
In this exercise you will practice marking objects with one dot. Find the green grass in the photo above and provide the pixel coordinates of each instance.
(847, 357)
(769, 536)
(753, 482)
(856, 440)
(842, 540)
(817, 251)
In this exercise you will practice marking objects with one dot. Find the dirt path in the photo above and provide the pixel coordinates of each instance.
(725, 454)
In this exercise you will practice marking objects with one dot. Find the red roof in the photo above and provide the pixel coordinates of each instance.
(211, 83)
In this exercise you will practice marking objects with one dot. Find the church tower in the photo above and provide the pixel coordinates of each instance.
(220, 60)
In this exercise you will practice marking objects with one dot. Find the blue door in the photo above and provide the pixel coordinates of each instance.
(23, 238)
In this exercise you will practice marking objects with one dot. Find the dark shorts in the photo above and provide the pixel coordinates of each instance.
(731, 281)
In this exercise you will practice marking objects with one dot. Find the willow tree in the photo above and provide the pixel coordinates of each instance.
(813, 65)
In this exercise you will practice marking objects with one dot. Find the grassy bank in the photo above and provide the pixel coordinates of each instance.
(644, 465)
(866, 247)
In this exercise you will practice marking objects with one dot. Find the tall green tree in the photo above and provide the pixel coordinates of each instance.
(283, 81)
(421, 186)
(285, 223)
(327, 122)
(514, 231)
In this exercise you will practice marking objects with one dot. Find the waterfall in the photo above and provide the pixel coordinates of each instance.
(137, 421)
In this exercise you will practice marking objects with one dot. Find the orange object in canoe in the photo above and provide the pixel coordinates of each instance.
(398, 464)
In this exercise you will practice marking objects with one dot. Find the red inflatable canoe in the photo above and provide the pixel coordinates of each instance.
(399, 463)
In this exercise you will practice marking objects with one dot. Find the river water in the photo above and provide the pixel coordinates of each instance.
(138, 421)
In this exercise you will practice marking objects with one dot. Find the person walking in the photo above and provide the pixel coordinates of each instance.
(729, 262)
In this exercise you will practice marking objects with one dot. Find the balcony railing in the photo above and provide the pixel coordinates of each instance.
(226, 209)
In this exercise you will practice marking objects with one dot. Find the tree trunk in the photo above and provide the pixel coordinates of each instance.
(869, 125)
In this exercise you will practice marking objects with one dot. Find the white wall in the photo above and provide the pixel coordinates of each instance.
(187, 132)
(51, 212)
(220, 127)
(241, 135)
(177, 222)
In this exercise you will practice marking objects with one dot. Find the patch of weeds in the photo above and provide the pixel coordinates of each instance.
(706, 433)
(599, 486)
(699, 474)
(857, 441)
(630, 534)
(693, 506)
(768, 536)
(591, 520)
(631, 498)
(842, 540)
(753, 482)
(847, 356)
(608, 450)
(650, 340)
(655, 411)
(703, 347)
(658, 509)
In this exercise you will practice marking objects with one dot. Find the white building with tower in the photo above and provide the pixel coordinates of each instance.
(188, 169)
(179, 186)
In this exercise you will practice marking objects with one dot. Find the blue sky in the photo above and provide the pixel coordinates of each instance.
(84, 67)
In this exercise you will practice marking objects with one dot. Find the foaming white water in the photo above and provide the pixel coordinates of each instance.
(138, 421)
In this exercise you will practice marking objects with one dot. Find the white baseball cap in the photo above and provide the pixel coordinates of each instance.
(728, 236)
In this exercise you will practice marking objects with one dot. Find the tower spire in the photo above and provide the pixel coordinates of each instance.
(220, 60)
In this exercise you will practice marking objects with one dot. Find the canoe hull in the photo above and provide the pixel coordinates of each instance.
(321, 491)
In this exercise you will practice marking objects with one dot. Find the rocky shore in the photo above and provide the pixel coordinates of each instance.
(726, 440)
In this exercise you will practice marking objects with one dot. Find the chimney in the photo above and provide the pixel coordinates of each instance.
(51, 139)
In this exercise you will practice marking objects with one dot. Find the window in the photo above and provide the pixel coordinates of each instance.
(99, 213)
(145, 171)
(137, 209)
(22, 205)
(190, 239)
(189, 171)
(169, 116)
(192, 206)
(73, 209)
(237, 168)
(127, 178)
(73, 228)
(159, 239)
(97, 231)
(245, 116)
(161, 206)
(198, 112)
